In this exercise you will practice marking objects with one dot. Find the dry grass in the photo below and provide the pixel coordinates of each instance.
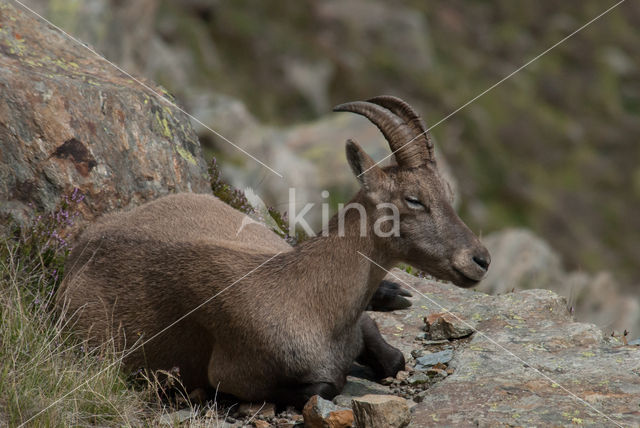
(47, 376)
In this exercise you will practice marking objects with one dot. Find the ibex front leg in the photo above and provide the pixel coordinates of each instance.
(384, 359)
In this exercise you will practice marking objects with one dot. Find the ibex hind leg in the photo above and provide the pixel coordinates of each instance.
(384, 359)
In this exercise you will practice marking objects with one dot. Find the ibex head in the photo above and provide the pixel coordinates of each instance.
(431, 235)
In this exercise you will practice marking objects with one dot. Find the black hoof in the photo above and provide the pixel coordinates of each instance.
(389, 297)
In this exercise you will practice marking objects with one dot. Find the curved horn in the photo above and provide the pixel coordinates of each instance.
(396, 131)
(409, 115)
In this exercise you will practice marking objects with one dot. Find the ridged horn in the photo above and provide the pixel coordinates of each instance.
(409, 115)
(395, 129)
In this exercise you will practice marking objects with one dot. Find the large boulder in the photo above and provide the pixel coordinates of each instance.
(69, 119)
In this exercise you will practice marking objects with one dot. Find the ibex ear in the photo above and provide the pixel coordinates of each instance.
(364, 168)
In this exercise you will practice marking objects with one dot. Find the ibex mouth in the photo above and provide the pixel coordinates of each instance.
(464, 280)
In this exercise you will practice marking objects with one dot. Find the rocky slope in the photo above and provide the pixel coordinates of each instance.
(528, 363)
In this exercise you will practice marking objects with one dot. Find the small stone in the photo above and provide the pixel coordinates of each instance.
(417, 353)
(261, 424)
(321, 413)
(419, 398)
(267, 410)
(402, 375)
(418, 378)
(387, 381)
(447, 325)
(434, 358)
(435, 342)
(437, 373)
(176, 417)
(373, 411)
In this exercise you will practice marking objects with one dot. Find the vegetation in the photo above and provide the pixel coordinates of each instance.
(238, 200)
(46, 376)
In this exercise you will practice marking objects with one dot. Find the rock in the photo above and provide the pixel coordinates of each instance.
(321, 413)
(387, 381)
(445, 325)
(434, 358)
(513, 370)
(68, 119)
(418, 378)
(267, 410)
(435, 373)
(402, 375)
(522, 260)
(358, 387)
(378, 411)
(262, 424)
(178, 417)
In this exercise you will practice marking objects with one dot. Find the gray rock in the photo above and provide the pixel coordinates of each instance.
(492, 387)
(522, 260)
(178, 417)
(377, 411)
(358, 387)
(418, 378)
(434, 358)
(436, 373)
(71, 120)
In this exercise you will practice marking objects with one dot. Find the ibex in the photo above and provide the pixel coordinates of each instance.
(291, 324)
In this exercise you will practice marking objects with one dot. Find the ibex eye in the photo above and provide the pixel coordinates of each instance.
(414, 203)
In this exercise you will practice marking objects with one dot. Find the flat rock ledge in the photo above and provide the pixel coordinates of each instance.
(528, 363)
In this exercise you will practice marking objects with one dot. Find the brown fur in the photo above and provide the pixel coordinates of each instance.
(298, 320)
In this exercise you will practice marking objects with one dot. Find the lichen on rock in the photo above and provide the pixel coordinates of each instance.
(70, 119)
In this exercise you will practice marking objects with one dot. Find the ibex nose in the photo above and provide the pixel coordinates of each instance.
(482, 261)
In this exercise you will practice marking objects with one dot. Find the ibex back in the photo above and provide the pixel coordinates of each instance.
(282, 327)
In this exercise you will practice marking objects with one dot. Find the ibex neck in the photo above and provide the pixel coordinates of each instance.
(340, 277)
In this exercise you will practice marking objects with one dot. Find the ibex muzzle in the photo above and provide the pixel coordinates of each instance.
(278, 323)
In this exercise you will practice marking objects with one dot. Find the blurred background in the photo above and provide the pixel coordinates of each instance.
(545, 166)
